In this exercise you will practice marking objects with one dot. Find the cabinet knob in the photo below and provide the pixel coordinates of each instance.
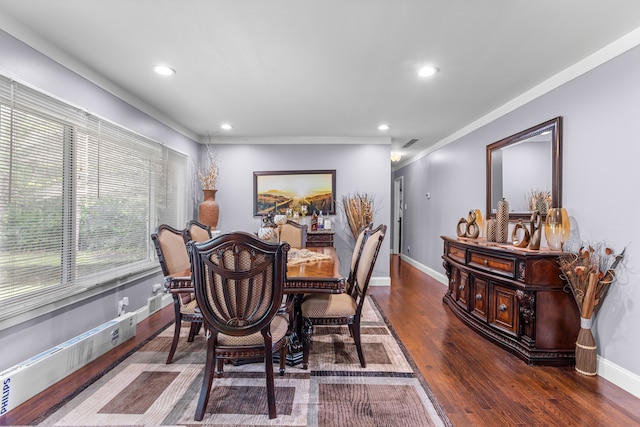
(486, 262)
(461, 288)
(502, 307)
(478, 297)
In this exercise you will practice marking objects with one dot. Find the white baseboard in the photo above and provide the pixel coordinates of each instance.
(619, 376)
(380, 281)
(608, 370)
(427, 270)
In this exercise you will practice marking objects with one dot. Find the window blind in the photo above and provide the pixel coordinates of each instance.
(79, 198)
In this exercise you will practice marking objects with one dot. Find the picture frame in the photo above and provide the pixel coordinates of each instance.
(276, 191)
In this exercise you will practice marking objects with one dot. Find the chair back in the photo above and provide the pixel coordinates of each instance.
(197, 231)
(357, 252)
(239, 281)
(295, 234)
(368, 258)
(171, 250)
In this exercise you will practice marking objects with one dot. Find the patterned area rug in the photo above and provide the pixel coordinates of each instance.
(335, 391)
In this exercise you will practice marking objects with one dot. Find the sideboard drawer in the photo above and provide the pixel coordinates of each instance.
(493, 264)
(457, 253)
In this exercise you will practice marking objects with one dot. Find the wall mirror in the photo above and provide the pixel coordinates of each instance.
(523, 165)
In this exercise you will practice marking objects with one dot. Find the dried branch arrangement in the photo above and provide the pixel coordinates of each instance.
(589, 274)
(209, 176)
(359, 209)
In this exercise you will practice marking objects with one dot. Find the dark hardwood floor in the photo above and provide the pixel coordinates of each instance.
(476, 382)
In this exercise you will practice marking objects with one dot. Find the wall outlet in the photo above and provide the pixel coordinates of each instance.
(409, 249)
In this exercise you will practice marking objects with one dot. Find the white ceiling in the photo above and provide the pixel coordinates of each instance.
(330, 68)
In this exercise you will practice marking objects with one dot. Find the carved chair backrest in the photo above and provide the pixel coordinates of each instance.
(239, 281)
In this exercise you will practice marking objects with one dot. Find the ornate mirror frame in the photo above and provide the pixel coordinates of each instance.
(495, 167)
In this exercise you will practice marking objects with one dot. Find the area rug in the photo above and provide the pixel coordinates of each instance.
(335, 391)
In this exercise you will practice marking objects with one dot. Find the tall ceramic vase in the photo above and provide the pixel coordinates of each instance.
(209, 210)
(502, 220)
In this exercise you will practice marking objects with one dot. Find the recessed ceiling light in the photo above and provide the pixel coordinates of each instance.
(427, 71)
(226, 126)
(383, 127)
(163, 70)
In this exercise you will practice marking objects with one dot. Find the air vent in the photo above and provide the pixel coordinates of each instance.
(410, 143)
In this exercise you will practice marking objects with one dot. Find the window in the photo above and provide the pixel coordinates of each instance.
(79, 198)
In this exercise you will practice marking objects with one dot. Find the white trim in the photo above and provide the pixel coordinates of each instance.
(619, 376)
(427, 270)
(297, 140)
(380, 281)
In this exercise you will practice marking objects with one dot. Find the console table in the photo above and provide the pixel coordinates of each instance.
(513, 297)
(319, 238)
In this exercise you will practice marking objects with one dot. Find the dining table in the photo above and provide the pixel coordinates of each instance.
(309, 271)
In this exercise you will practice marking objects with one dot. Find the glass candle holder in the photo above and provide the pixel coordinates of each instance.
(557, 227)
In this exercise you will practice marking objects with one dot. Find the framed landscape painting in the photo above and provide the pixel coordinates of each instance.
(301, 191)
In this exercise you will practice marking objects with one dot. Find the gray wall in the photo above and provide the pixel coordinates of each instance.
(361, 168)
(601, 111)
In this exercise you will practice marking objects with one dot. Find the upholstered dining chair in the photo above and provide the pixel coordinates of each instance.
(355, 256)
(293, 233)
(197, 231)
(174, 261)
(345, 308)
(239, 285)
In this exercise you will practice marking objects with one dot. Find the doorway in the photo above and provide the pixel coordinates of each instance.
(397, 215)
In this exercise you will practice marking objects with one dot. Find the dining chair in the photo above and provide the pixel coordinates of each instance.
(174, 261)
(239, 284)
(293, 233)
(197, 231)
(355, 256)
(345, 308)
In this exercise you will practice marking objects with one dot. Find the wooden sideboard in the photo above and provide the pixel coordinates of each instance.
(513, 297)
(319, 238)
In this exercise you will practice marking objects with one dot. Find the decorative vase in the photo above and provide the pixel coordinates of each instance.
(502, 218)
(586, 349)
(208, 211)
(492, 227)
(557, 228)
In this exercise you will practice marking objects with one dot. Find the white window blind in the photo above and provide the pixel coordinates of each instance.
(79, 198)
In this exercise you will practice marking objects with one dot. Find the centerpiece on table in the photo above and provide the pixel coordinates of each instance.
(209, 211)
(589, 274)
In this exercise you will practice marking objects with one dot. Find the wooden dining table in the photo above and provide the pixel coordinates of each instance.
(314, 276)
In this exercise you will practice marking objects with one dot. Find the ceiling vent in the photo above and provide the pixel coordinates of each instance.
(410, 143)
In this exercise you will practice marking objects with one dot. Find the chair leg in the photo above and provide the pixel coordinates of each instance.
(193, 331)
(356, 338)
(268, 367)
(207, 380)
(174, 343)
(283, 356)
